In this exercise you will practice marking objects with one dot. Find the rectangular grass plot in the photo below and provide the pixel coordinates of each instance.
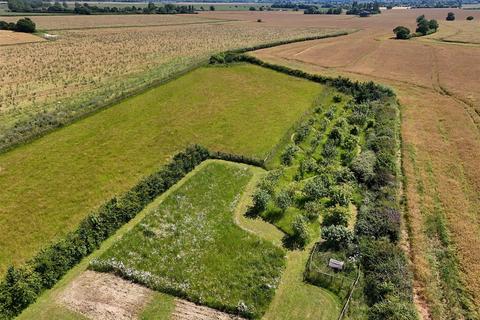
(190, 246)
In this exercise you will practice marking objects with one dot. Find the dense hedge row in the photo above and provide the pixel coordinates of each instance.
(21, 286)
(361, 91)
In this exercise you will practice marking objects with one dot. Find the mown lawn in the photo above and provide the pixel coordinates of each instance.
(49, 185)
(191, 247)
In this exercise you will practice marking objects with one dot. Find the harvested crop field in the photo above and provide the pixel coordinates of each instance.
(12, 38)
(75, 169)
(85, 69)
(438, 88)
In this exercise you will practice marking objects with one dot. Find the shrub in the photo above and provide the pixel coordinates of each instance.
(289, 154)
(260, 201)
(470, 18)
(337, 237)
(25, 25)
(284, 199)
(450, 16)
(340, 195)
(301, 133)
(363, 166)
(337, 216)
(337, 98)
(379, 222)
(300, 235)
(393, 309)
(433, 25)
(318, 187)
(402, 32)
(313, 210)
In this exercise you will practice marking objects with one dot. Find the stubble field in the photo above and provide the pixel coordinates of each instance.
(437, 86)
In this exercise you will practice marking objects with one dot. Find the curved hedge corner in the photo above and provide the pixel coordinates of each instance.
(22, 285)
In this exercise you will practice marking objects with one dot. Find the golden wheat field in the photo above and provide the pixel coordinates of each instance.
(96, 65)
(437, 84)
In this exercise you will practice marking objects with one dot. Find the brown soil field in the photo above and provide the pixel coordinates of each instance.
(11, 38)
(104, 296)
(438, 88)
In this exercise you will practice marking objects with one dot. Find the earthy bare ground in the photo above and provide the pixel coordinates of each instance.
(437, 85)
(185, 310)
(10, 37)
(103, 296)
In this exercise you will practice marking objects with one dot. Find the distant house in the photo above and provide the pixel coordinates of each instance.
(335, 264)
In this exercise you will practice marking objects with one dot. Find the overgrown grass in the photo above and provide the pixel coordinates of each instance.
(191, 247)
(48, 186)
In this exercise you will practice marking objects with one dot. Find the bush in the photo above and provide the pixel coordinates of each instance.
(301, 133)
(318, 187)
(25, 25)
(386, 271)
(378, 223)
(313, 209)
(363, 166)
(402, 32)
(450, 16)
(470, 18)
(284, 199)
(340, 195)
(300, 235)
(260, 202)
(393, 309)
(337, 216)
(288, 154)
(337, 98)
(337, 237)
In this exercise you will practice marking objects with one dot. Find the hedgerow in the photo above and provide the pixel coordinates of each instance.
(22, 285)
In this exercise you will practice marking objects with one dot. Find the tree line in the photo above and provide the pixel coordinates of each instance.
(39, 6)
(23, 25)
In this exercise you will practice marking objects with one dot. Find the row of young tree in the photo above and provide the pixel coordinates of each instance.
(316, 10)
(39, 6)
(23, 25)
(364, 9)
(424, 27)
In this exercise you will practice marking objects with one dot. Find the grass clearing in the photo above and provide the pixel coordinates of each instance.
(190, 246)
(75, 169)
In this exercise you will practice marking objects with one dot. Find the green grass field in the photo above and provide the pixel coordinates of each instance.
(191, 247)
(49, 185)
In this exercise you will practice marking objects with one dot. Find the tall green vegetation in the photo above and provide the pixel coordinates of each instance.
(450, 16)
(23, 25)
(190, 246)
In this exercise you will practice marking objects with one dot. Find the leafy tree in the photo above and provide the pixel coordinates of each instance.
(422, 25)
(289, 154)
(337, 237)
(450, 16)
(433, 24)
(284, 199)
(402, 32)
(364, 166)
(260, 201)
(337, 216)
(212, 8)
(317, 187)
(313, 210)
(470, 18)
(25, 25)
(300, 235)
